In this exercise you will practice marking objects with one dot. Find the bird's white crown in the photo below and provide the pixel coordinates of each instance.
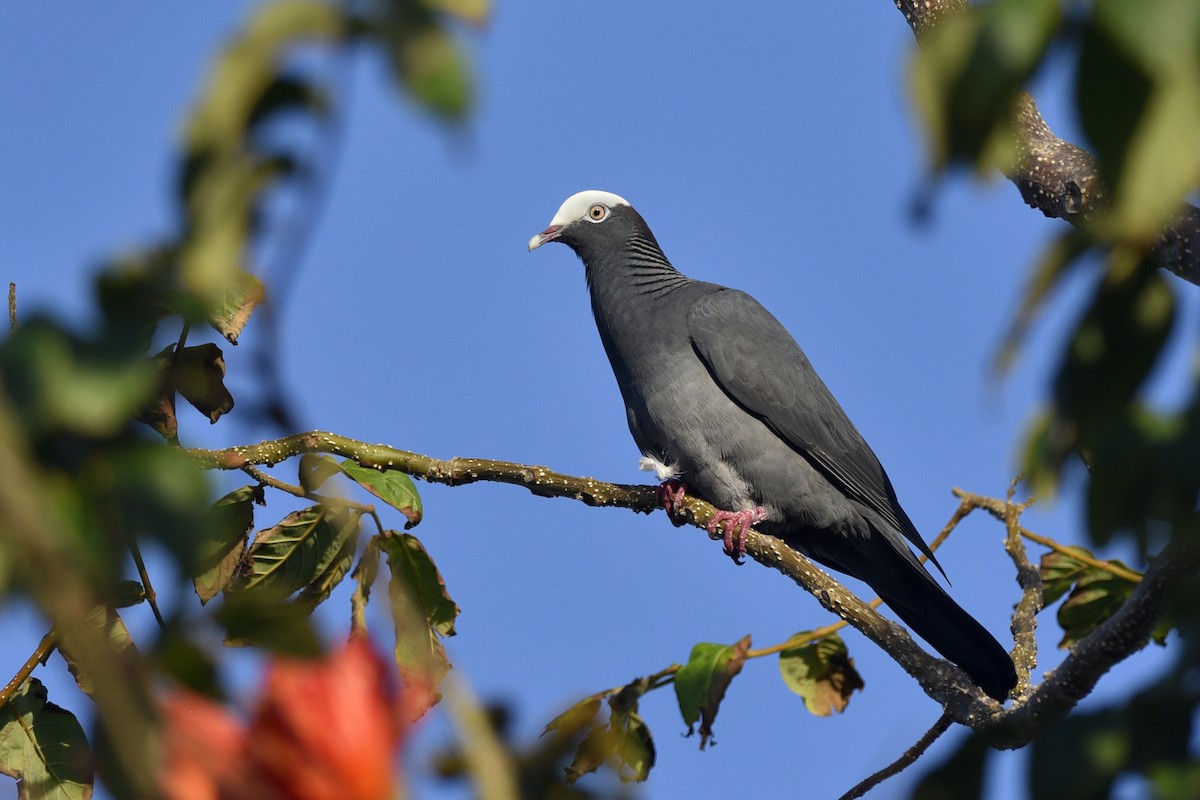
(576, 206)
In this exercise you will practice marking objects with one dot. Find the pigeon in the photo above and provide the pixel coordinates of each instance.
(723, 404)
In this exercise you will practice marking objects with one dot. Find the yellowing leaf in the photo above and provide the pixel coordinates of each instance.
(821, 672)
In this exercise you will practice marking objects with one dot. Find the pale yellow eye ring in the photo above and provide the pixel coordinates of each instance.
(597, 212)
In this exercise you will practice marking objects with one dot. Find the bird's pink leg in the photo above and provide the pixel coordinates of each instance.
(736, 523)
(671, 494)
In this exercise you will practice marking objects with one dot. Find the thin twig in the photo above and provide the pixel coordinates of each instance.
(904, 761)
(13, 324)
(43, 651)
(151, 597)
(997, 509)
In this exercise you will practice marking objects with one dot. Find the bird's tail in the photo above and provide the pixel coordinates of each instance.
(888, 567)
(955, 634)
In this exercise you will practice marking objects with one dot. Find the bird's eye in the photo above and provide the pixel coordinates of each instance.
(597, 212)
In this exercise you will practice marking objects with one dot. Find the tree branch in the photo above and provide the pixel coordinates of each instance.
(906, 759)
(1061, 179)
(943, 682)
(1113, 641)
(1117, 638)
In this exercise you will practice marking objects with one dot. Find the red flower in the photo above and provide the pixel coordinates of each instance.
(324, 729)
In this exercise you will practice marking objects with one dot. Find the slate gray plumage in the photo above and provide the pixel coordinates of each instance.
(718, 394)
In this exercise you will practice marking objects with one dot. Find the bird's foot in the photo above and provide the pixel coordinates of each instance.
(671, 494)
(736, 523)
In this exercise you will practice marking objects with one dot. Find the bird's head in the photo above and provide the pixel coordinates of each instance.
(587, 219)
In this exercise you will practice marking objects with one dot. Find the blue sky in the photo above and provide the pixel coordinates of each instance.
(770, 146)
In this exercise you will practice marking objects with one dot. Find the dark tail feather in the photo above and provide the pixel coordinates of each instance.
(911, 592)
(955, 634)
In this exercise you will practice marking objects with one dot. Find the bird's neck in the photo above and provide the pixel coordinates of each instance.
(637, 273)
(634, 283)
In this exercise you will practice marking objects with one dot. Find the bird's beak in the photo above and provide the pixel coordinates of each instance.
(548, 235)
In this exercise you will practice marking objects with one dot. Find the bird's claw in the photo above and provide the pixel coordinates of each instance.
(735, 524)
(671, 493)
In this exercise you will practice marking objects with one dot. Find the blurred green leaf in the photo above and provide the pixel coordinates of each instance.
(112, 628)
(179, 656)
(59, 383)
(1054, 264)
(701, 683)
(257, 619)
(959, 776)
(821, 672)
(246, 71)
(287, 93)
(315, 469)
(43, 746)
(432, 65)
(1139, 102)
(297, 551)
(968, 71)
(220, 554)
(422, 610)
(1115, 345)
(472, 11)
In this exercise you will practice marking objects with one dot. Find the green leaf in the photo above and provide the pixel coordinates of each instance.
(821, 672)
(1059, 572)
(1096, 597)
(392, 487)
(294, 553)
(701, 683)
(200, 377)
(220, 554)
(43, 746)
(319, 590)
(422, 610)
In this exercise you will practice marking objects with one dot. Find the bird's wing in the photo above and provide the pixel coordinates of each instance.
(755, 361)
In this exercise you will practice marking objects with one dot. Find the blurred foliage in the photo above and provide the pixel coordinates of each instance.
(85, 483)
(90, 433)
(1137, 98)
